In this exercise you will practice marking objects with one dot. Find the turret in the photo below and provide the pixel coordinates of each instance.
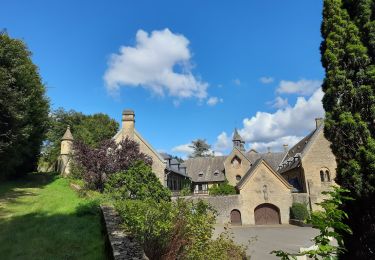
(238, 142)
(66, 151)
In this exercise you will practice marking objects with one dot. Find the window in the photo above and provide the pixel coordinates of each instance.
(200, 174)
(236, 162)
(325, 175)
(238, 177)
(216, 173)
(321, 176)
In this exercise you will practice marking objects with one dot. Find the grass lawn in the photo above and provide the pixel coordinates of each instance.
(41, 217)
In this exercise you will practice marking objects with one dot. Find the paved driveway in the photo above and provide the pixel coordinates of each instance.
(268, 238)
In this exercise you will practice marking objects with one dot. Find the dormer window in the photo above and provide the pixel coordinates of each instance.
(216, 173)
(200, 174)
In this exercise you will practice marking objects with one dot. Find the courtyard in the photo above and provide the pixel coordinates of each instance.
(271, 237)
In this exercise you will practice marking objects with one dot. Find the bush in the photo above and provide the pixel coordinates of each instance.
(299, 211)
(176, 230)
(222, 189)
(138, 182)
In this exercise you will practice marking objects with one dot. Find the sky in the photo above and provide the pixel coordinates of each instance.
(189, 69)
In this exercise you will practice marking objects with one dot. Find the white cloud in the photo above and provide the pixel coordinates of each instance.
(277, 144)
(266, 80)
(183, 148)
(237, 82)
(296, 120)
(159, 62)
(223, 142)
(285, 126)
(212, 101)
(301, 87)
(279, 102)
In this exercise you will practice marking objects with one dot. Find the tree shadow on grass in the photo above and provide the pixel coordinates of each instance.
(59, 236)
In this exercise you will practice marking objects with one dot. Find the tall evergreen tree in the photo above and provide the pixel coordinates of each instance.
(348, 56)
(23, 108)
(200, 148)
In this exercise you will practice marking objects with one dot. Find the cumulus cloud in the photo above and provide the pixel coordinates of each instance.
(266, 80)
(302, 87)
(285, 126)
(279, 102)
(159, 62)
(183, 148)
(223, 142)
(212, 101)
(277, 144)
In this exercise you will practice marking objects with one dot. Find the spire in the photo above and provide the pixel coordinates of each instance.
(236, 136)
(68, 135)
(238, 142)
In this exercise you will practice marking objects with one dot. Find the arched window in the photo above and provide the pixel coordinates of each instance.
(236, 162)
(321, 176)
(327, 176)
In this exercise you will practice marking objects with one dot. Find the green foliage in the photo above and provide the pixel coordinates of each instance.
(222, 189)
(348, 56)
(200, 148)
(186, 191)
(330, 223)
(138, 182)
(23, 109)
(176, 230)
(90, 129)
(299, 211)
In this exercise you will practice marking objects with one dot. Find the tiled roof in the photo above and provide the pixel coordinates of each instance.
(206, 169)
(273, 159)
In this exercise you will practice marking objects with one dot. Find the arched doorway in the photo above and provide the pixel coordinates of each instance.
(266, 214)
(235, 217)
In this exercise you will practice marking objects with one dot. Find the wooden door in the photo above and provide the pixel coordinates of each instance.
(235, 217)
(266, 214)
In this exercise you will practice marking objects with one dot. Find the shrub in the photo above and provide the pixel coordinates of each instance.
(222, 189)
(176, 230)
(109, 157)
(138, 182)
(299, 211)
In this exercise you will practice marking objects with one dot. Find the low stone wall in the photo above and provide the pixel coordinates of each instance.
(119, 244)
(222, 204)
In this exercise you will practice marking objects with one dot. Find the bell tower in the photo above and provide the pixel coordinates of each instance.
(238, 142)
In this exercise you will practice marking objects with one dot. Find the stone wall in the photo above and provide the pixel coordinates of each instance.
(119, 244)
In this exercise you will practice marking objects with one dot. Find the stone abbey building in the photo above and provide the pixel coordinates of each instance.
(267, 183)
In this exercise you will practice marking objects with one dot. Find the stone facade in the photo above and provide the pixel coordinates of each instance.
(128, 130)
(66, 150)
(268, 184)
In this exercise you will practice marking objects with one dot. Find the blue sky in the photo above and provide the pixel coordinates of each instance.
(189, 69)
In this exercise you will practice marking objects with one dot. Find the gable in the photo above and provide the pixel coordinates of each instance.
(262, 174)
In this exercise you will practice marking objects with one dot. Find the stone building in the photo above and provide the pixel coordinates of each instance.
(267, 183)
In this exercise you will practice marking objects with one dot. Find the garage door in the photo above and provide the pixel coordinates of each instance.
(266, 214)
(235, 217)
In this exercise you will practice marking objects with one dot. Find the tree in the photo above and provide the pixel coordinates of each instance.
(200, 148)
(348, 56)
(90, 129)
(106, 159)
(23, 109)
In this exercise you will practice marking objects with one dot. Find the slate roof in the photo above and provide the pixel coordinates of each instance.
(68, 135)
(206, 169)
(273, 159)
(295, 154)
(236, 136)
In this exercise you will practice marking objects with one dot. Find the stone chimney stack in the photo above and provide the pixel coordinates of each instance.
(128, 122)
(318, 122)
(285, 147)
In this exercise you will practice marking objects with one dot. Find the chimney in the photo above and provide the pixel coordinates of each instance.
(285, 147)
(128, 122)
(318, 122)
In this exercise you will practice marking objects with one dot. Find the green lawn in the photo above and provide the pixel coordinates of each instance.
(41, 217)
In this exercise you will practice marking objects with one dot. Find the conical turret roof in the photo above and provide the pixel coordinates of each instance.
(236, 136)
(68, 135)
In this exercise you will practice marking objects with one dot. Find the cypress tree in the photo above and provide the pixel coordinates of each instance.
(348, 57)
